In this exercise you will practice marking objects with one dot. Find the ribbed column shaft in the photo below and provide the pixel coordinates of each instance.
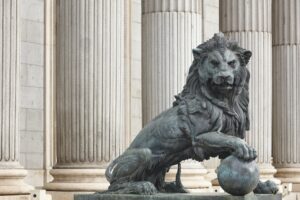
(170, 30)
(9, 63)
(155, 6)
(12, 173)
(286, 22)
(286, 84)
(260, 107)
(249, 23)
(286, 106)
(90, 82)
(90, 92)
(246, 15)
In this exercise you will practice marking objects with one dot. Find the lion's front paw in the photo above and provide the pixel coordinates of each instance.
(268, 187)
(244, 151)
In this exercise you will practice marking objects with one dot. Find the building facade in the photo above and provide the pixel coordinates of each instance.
(80, 78)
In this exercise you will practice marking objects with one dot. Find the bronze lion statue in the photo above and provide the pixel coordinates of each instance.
(209, 118)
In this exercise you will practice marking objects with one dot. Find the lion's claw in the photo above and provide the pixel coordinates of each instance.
(245, 152)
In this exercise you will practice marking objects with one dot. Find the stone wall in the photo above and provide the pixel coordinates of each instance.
(136, 67)
(31, 103)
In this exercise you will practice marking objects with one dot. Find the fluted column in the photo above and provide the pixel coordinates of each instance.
(11, 172)
(90, 92)
(249, 23)
(286, 96)
(170, 30)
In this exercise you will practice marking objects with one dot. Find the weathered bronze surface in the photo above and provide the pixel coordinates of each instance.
(209, 118)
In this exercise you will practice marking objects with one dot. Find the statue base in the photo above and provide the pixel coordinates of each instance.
(180, 196)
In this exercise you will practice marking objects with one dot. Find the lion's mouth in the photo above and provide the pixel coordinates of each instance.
(223, 86)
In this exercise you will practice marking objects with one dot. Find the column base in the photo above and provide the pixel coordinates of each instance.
(290, 175)
(64, 195)
(16, 197)
(193, 179)
(267, 172)
(12, 182)
(78, 180)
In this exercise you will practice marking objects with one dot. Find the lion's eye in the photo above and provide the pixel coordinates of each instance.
(215, 62)
(232, 63)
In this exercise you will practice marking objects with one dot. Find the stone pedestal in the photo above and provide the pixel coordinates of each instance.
(286, 96)
(249, 23)
(90, 93)
(12, 173)
(170, 30)
(202, 196)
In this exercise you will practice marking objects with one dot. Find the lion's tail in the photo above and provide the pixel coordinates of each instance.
(109, 170)
(130, 165)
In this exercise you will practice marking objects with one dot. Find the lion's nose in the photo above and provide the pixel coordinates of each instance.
(224, 78)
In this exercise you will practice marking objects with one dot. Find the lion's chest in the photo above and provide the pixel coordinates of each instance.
(233, 124)
(201, 116)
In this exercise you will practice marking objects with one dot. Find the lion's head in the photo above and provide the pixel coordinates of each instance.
(219, 73)
(219, 68)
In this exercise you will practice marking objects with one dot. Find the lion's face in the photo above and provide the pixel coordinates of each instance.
(221, 71)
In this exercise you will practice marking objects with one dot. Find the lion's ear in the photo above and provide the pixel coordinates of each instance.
(247, 55)
(197, 53)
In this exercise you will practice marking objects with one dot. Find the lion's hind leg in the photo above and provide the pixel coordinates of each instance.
(127, 174)
(176, 186)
